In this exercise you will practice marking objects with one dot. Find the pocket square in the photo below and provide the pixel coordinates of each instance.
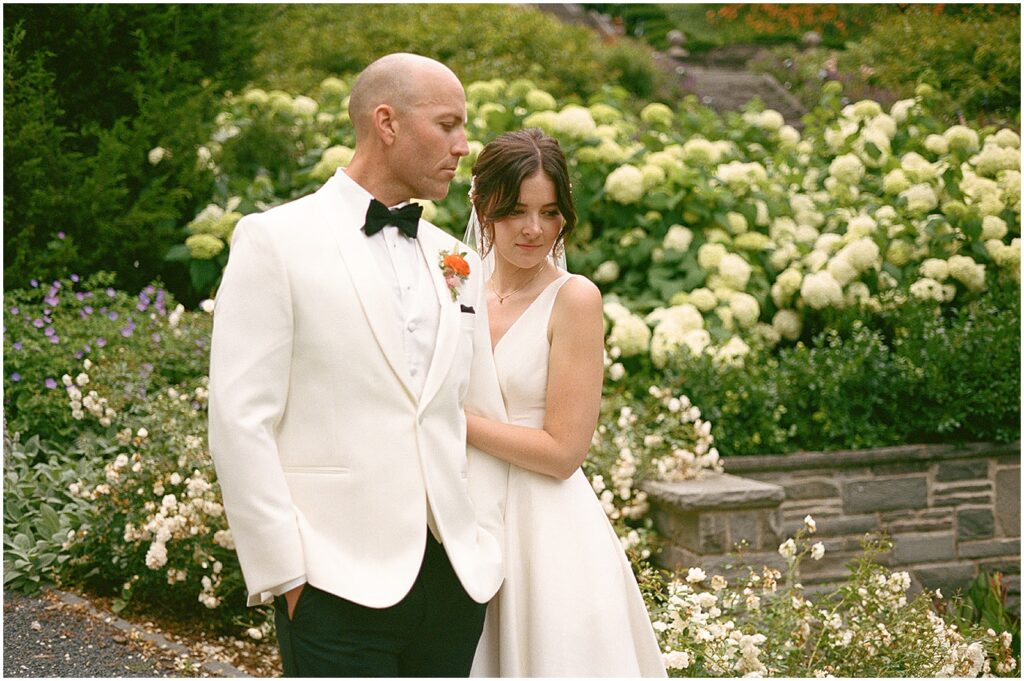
(467, 308)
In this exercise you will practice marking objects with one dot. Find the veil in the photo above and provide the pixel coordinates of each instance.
(474, 238)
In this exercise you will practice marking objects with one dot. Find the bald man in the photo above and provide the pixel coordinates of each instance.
(342, 362)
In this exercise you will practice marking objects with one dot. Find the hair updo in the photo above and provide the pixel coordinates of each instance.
(499, 172)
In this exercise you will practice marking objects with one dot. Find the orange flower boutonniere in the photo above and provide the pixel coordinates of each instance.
(455, 270)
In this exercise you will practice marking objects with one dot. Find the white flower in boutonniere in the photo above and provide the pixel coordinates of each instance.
(455, 270)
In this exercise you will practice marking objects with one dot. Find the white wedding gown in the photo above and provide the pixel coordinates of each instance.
(570, 605)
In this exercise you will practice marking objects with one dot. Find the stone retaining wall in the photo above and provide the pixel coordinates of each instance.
(951, 510)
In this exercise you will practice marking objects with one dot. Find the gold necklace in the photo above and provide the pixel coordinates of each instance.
(502, 298)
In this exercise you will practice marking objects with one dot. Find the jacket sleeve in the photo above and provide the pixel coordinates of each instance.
(249, 371)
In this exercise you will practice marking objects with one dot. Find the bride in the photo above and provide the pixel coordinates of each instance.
(570, 605)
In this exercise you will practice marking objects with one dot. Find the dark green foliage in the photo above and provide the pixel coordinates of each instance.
(907, 375)
(478, 42)
(80, 194)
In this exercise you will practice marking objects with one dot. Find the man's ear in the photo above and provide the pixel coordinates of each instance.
(384, 123)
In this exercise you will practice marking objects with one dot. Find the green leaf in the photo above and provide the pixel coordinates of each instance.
(178, 253)
(49, 520)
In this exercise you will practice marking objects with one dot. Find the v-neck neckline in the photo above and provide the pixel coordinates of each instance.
(494, 348)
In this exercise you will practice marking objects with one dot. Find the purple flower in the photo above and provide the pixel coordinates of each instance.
(17, 345)
(112, 316)
(52, 301)
(155, 337)
(86, 348)
(15, 377)
(148, 367)
(61, 235)
(79, 354)
(14, 310)
(49, 331)
(55, 339)
(129, 329)
(111, 292)
(35, 283)
(87, 309)
(50, 384)
(101, 342)
(141, 307)
(38, 323)
(75, 278)
(80, 295)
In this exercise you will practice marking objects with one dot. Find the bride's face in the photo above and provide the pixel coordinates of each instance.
(525, 237)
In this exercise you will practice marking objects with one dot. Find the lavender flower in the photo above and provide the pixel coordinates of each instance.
(15, 310)
(50, 384)
(80, 295)
(34, 283)
(17, 345)
(112, 316)
(75, 278)
(61, 235)
(101, 342)
(54, 339)
(111, 292)
(49, 331)
(15, 377)
(38, 323)
(129, 329)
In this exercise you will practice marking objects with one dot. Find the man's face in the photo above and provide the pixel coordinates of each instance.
(430, 137)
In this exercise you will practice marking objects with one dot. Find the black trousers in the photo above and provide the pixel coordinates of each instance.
(432, 632)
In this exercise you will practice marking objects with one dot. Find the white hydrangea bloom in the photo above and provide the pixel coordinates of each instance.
(861, 225)
(862, 253)
(653, 175)
(993, 227)
(895, 181)
(616, 311)
(921, 199)
(788, 324)
(709, 255)
(885, 124)
(1009, 183)
(994, 158)
(960, 137)
(934, 268)
(1007, 138)
(841, 269)
(606, 272)
(678, 238)
(625, 184)
(745, 308)
(733, 351)
(918, 169)
(789, 136)
(735, 271)
(900, 110)
(539, 100)
(304, 106)
(575, 121)
(737, 223)
(968, 272)
(836, 137)
(686, 316)
(929, 289)
(741, 174)
(630, 335)
(873, 147)
(820, 290)
(703, 299)
(699, 151)
(847, 169)
(936, 144)
(828, 242)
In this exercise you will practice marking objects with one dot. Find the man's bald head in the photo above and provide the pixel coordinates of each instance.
(396, 80)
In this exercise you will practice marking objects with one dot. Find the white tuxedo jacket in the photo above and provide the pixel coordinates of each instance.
(325, 456)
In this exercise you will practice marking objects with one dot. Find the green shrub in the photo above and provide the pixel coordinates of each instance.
(972, 58)
(151, 80)
(478, 42)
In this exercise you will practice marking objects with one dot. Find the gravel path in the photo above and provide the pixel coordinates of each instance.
(55, 634)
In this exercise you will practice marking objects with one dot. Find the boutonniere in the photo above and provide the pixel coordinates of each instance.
(455, 270)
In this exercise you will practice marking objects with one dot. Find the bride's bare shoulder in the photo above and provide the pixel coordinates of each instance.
(579, 299)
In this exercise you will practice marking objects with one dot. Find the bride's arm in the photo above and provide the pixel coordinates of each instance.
(575, 374)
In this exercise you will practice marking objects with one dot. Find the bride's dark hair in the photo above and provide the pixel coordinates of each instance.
(502, 166)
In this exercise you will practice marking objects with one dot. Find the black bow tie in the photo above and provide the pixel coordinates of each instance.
(406, 218)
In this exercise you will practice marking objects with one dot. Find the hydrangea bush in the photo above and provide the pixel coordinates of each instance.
(720, 231)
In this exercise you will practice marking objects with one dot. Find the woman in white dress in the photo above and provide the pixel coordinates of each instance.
(570, 605)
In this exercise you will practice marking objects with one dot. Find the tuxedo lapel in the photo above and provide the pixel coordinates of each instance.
(431, 242)
(342, 209)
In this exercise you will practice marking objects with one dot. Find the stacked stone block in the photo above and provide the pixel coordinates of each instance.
(950, 510)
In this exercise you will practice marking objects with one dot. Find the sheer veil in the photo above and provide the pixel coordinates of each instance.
(474, 238)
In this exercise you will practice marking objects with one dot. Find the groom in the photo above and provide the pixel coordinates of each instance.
(340, 368)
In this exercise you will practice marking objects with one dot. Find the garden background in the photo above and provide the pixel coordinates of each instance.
(846, 281)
